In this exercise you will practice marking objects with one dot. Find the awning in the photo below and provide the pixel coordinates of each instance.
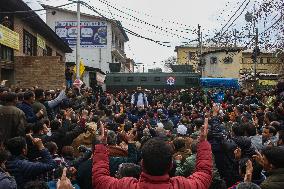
(91, 69)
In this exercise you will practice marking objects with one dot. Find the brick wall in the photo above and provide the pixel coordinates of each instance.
(46, 72)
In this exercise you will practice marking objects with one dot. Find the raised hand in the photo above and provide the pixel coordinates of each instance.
(238, 153)
(204, 131)
(64, 182)
(216, 109)
(3, 83)
(38, 143)
(259, 158)
(40, 113)
(249, 170)
(85, 114)
(68, 114)
(63, 87)
(103, 135)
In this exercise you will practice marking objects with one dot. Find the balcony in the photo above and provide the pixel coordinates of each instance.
(118, 52)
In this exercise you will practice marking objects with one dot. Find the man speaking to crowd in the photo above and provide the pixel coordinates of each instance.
(139, 98)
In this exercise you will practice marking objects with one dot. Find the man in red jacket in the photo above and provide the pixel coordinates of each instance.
(156, 163)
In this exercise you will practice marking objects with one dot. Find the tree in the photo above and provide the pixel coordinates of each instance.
(266, 15)
(168, 62)
(270, 12)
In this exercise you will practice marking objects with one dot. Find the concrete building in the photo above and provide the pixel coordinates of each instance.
(189, 54)
(269, 68)
(222, 63)
(31, 52)
(129, 65)
(102, 42)
(267, 63)
(233, 63)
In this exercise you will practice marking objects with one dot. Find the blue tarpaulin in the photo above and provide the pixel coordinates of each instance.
(220, 83)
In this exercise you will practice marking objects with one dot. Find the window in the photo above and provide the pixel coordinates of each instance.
(116, 79)
(30, 44)
(268, 60)
(188, 80)
(213, 60)
(47, 51)
(143, 78)
(190, 56)
(157, 79)
(61, 57)
(6, 53)
(129, 78)
(44, 53)
(228, 60)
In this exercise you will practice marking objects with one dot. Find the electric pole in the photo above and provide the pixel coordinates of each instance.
(78, 41)
(251, 17)
(199, 37)
(235, 37)
(201, 42)
(255, 54)
(200, 48)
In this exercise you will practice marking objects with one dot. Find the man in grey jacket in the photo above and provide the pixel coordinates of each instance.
(12, 119)
(45, 104)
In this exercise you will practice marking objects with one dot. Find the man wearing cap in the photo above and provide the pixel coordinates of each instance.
(139, 99)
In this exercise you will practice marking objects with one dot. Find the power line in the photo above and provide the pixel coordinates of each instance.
(127, 30)
(17, 12)
(47, 12)
(233, 21)
(158, 33)
(278, 20)
(148, 15)
(155, 26)
(237, 17)
(146, 23)
(220, 33)
(231, 17)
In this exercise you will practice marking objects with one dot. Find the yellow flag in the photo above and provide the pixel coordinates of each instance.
(82, 68)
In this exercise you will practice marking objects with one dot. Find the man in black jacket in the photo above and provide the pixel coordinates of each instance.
(84, 174)
(22, 169)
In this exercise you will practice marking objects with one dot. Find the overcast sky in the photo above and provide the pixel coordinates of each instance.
(165, 14)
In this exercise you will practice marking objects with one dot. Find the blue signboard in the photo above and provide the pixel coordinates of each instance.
(93, 34)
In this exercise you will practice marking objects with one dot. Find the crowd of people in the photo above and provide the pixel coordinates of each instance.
(189, 138)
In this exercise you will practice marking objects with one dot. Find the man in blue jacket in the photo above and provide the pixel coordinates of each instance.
(26, 107)
(22, 169)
